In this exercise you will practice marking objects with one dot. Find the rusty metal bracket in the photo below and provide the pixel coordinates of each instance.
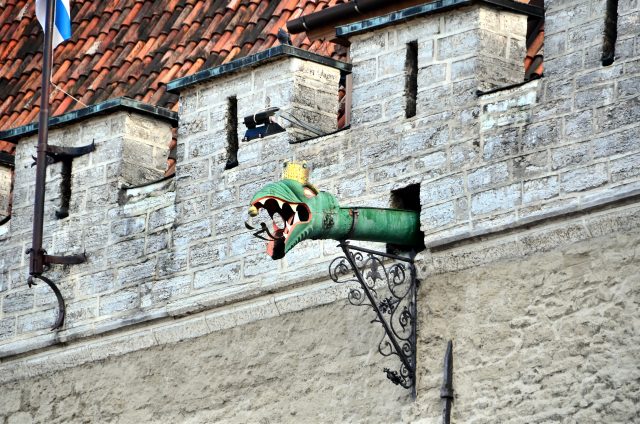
(59, 153)
(41, 257)
(65, 260)
(61, 306)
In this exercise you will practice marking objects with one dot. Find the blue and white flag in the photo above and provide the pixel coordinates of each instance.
(61, 22)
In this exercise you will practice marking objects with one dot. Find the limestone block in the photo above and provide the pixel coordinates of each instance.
(368, 45)
(139, 271)
(20, 418)
(487, 176)
(540, 189)
(500, 145)
(442, 189)
(567, 156)
(7, 328)
(216, 275)
(158, 292)
(625, 167)
(17, 301)
(125, 300)
(496, 199)
(35, 321)
(438, 216)
(456, 45)
(584, 178)
(207, 253)
(531, 165)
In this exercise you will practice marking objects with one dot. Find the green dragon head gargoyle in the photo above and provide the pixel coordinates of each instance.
(299, 212)
(296, 208)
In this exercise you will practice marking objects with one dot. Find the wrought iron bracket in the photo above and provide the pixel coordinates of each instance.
(59, 153)
(42, 260)
(65, 260)
(388, 284)
(62, 310)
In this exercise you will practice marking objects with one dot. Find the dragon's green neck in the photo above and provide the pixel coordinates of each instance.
(394, 226)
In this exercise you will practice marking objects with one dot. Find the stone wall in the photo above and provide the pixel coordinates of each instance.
(122, 237)
(550, 166)
(549, 147)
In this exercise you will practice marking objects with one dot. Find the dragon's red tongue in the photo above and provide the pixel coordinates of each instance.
(271, 245)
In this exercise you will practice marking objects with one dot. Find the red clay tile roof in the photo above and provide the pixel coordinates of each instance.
(133, 48)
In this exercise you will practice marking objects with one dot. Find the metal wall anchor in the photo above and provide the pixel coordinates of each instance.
(61, 306)
(388, 284)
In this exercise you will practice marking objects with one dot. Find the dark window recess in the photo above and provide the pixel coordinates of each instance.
(173, 153)
(232, 133)
(411, 82)
(65, 188)
(534, 61)
(610, 33)
(406, 198)
(7, 160)
(344, 101)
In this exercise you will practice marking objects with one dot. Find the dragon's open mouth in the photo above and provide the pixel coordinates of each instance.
(285, 217)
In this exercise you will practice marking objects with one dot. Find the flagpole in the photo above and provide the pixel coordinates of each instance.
(36, 263)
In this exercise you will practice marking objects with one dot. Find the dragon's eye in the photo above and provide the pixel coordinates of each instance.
(309, 193)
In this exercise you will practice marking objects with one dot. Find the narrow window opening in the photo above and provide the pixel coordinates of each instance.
(232, 132)
(172, 158)
(7, 175)
(65, 188)
(534, 59)
(346, 81)
(344, 100)
(411, 82)
(406, 198)
(610, 33)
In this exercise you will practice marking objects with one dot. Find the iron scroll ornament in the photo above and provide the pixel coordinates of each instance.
(387, 283)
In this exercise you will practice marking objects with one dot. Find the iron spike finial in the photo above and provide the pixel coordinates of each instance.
(446, 391)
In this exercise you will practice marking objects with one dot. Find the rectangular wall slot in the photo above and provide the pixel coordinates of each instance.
(344, 100)
(7, 162)
(232, 132)
(406, 198)
(65, 188)
(610, 33)
(411, 82)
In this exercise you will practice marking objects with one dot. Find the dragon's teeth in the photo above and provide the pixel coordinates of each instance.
(296, 219)
(280, 203)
